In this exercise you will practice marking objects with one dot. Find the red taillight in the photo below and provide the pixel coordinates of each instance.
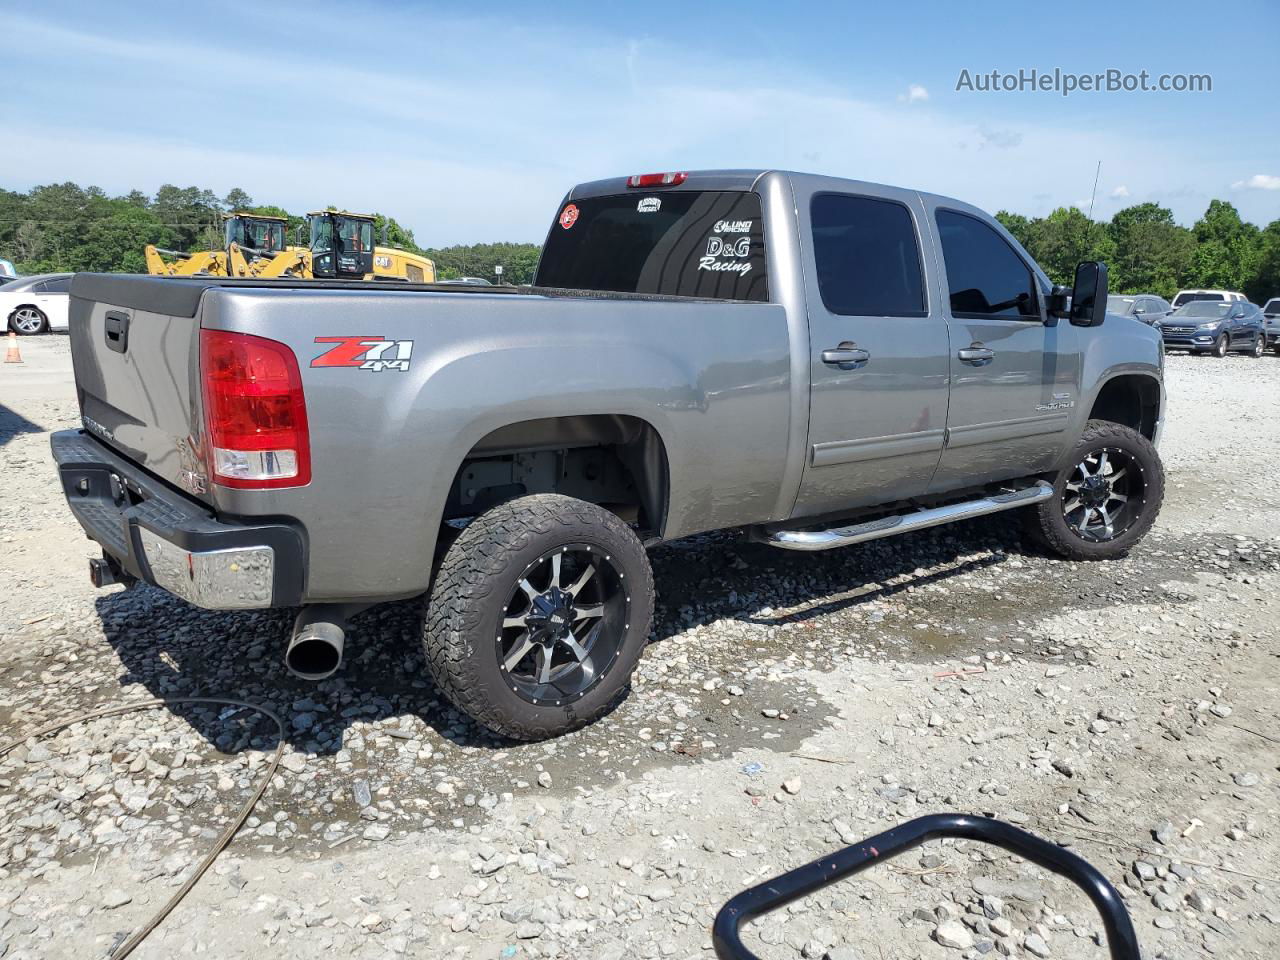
(657, 179)
(254, 410)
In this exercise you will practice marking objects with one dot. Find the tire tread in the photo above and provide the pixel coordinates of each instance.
(474, 567)
(1043, 521)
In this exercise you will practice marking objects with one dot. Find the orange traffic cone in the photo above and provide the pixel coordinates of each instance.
(13, 355)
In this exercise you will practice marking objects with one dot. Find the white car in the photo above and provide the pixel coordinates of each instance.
(36, 304)
(1191, 296)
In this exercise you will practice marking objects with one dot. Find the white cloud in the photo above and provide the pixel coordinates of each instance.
(461, 148)
(1004, 139)
(1259, 181)
(1120, 192)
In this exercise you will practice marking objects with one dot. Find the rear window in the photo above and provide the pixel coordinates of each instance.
(1272, 307)
(1182, 298)
(683, 244)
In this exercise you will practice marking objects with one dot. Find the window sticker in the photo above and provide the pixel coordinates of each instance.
(569, 216)
(649, 205)
(727, 255)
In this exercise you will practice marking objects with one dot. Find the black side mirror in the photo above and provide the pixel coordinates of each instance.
(1058, 303)
(1089, 294)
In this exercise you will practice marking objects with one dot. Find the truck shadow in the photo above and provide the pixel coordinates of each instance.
(170, 649)
(13, 423)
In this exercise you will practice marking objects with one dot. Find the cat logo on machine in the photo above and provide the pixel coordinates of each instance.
(365, 353)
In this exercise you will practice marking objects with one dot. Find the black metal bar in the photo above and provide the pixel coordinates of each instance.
(1122, 940)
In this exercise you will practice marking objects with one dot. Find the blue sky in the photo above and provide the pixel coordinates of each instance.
(468, 122)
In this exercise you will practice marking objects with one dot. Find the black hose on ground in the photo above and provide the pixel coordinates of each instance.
(128, 946)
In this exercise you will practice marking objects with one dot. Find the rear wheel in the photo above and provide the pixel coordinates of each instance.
(1220, 345)
(1108, 498)
(28, 320)
(539, 614)
(1259, 346)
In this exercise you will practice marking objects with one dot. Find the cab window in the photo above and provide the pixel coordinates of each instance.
(867, 257)
(985, 277)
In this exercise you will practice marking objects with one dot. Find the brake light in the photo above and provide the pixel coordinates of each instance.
(657, 179)
(255, 412)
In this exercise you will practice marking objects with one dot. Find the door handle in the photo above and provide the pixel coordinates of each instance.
(116, 330)
(978, 356)
(846, 355)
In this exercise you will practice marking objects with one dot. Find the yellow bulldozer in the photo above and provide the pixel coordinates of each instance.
(341, 246)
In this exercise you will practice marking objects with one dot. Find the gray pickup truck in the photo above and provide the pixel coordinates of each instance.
(816, 361)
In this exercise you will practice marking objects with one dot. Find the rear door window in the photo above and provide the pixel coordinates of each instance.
(58, 285)
(867, 257)
(985, 277)
(684, 244)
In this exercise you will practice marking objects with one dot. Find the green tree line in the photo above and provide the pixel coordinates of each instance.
(66, 227)
(1147, 252)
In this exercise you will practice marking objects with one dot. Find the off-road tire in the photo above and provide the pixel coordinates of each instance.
(1046, 523)
(470, 594)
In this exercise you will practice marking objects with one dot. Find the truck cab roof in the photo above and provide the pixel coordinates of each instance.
(748, 179)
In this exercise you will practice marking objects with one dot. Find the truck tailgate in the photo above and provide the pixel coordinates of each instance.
(135, 350)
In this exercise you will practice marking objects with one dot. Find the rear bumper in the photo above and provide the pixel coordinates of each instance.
(166, 539)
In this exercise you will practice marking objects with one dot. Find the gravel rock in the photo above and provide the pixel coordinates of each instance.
(954, 934)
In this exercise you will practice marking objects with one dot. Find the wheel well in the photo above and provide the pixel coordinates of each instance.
(1132, 400)
(618, 462)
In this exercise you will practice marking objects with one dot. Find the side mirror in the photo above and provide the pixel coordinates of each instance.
(1058, 303)
(1089, 294)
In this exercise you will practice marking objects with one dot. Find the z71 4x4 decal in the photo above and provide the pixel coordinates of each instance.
(365, 353)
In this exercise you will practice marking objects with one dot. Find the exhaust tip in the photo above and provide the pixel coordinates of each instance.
(315, 652)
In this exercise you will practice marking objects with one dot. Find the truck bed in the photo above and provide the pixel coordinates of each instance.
(711, 378)
(180, 296)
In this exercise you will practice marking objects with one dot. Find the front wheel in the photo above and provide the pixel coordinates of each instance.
(539, 613)
(28, 320)
(1107, 500)
(1220, 346)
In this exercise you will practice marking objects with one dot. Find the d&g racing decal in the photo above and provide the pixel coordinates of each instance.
(728, 254)
(365, 353)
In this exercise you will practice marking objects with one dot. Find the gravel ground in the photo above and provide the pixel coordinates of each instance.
(789, 704)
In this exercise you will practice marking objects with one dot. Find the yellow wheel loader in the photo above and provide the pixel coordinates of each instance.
(341, 247)
(250, 238)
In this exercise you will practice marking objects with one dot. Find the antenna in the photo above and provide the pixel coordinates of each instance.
(1097, 173)
(1088, 230)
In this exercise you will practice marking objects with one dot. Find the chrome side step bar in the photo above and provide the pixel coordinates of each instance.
(906, 522)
